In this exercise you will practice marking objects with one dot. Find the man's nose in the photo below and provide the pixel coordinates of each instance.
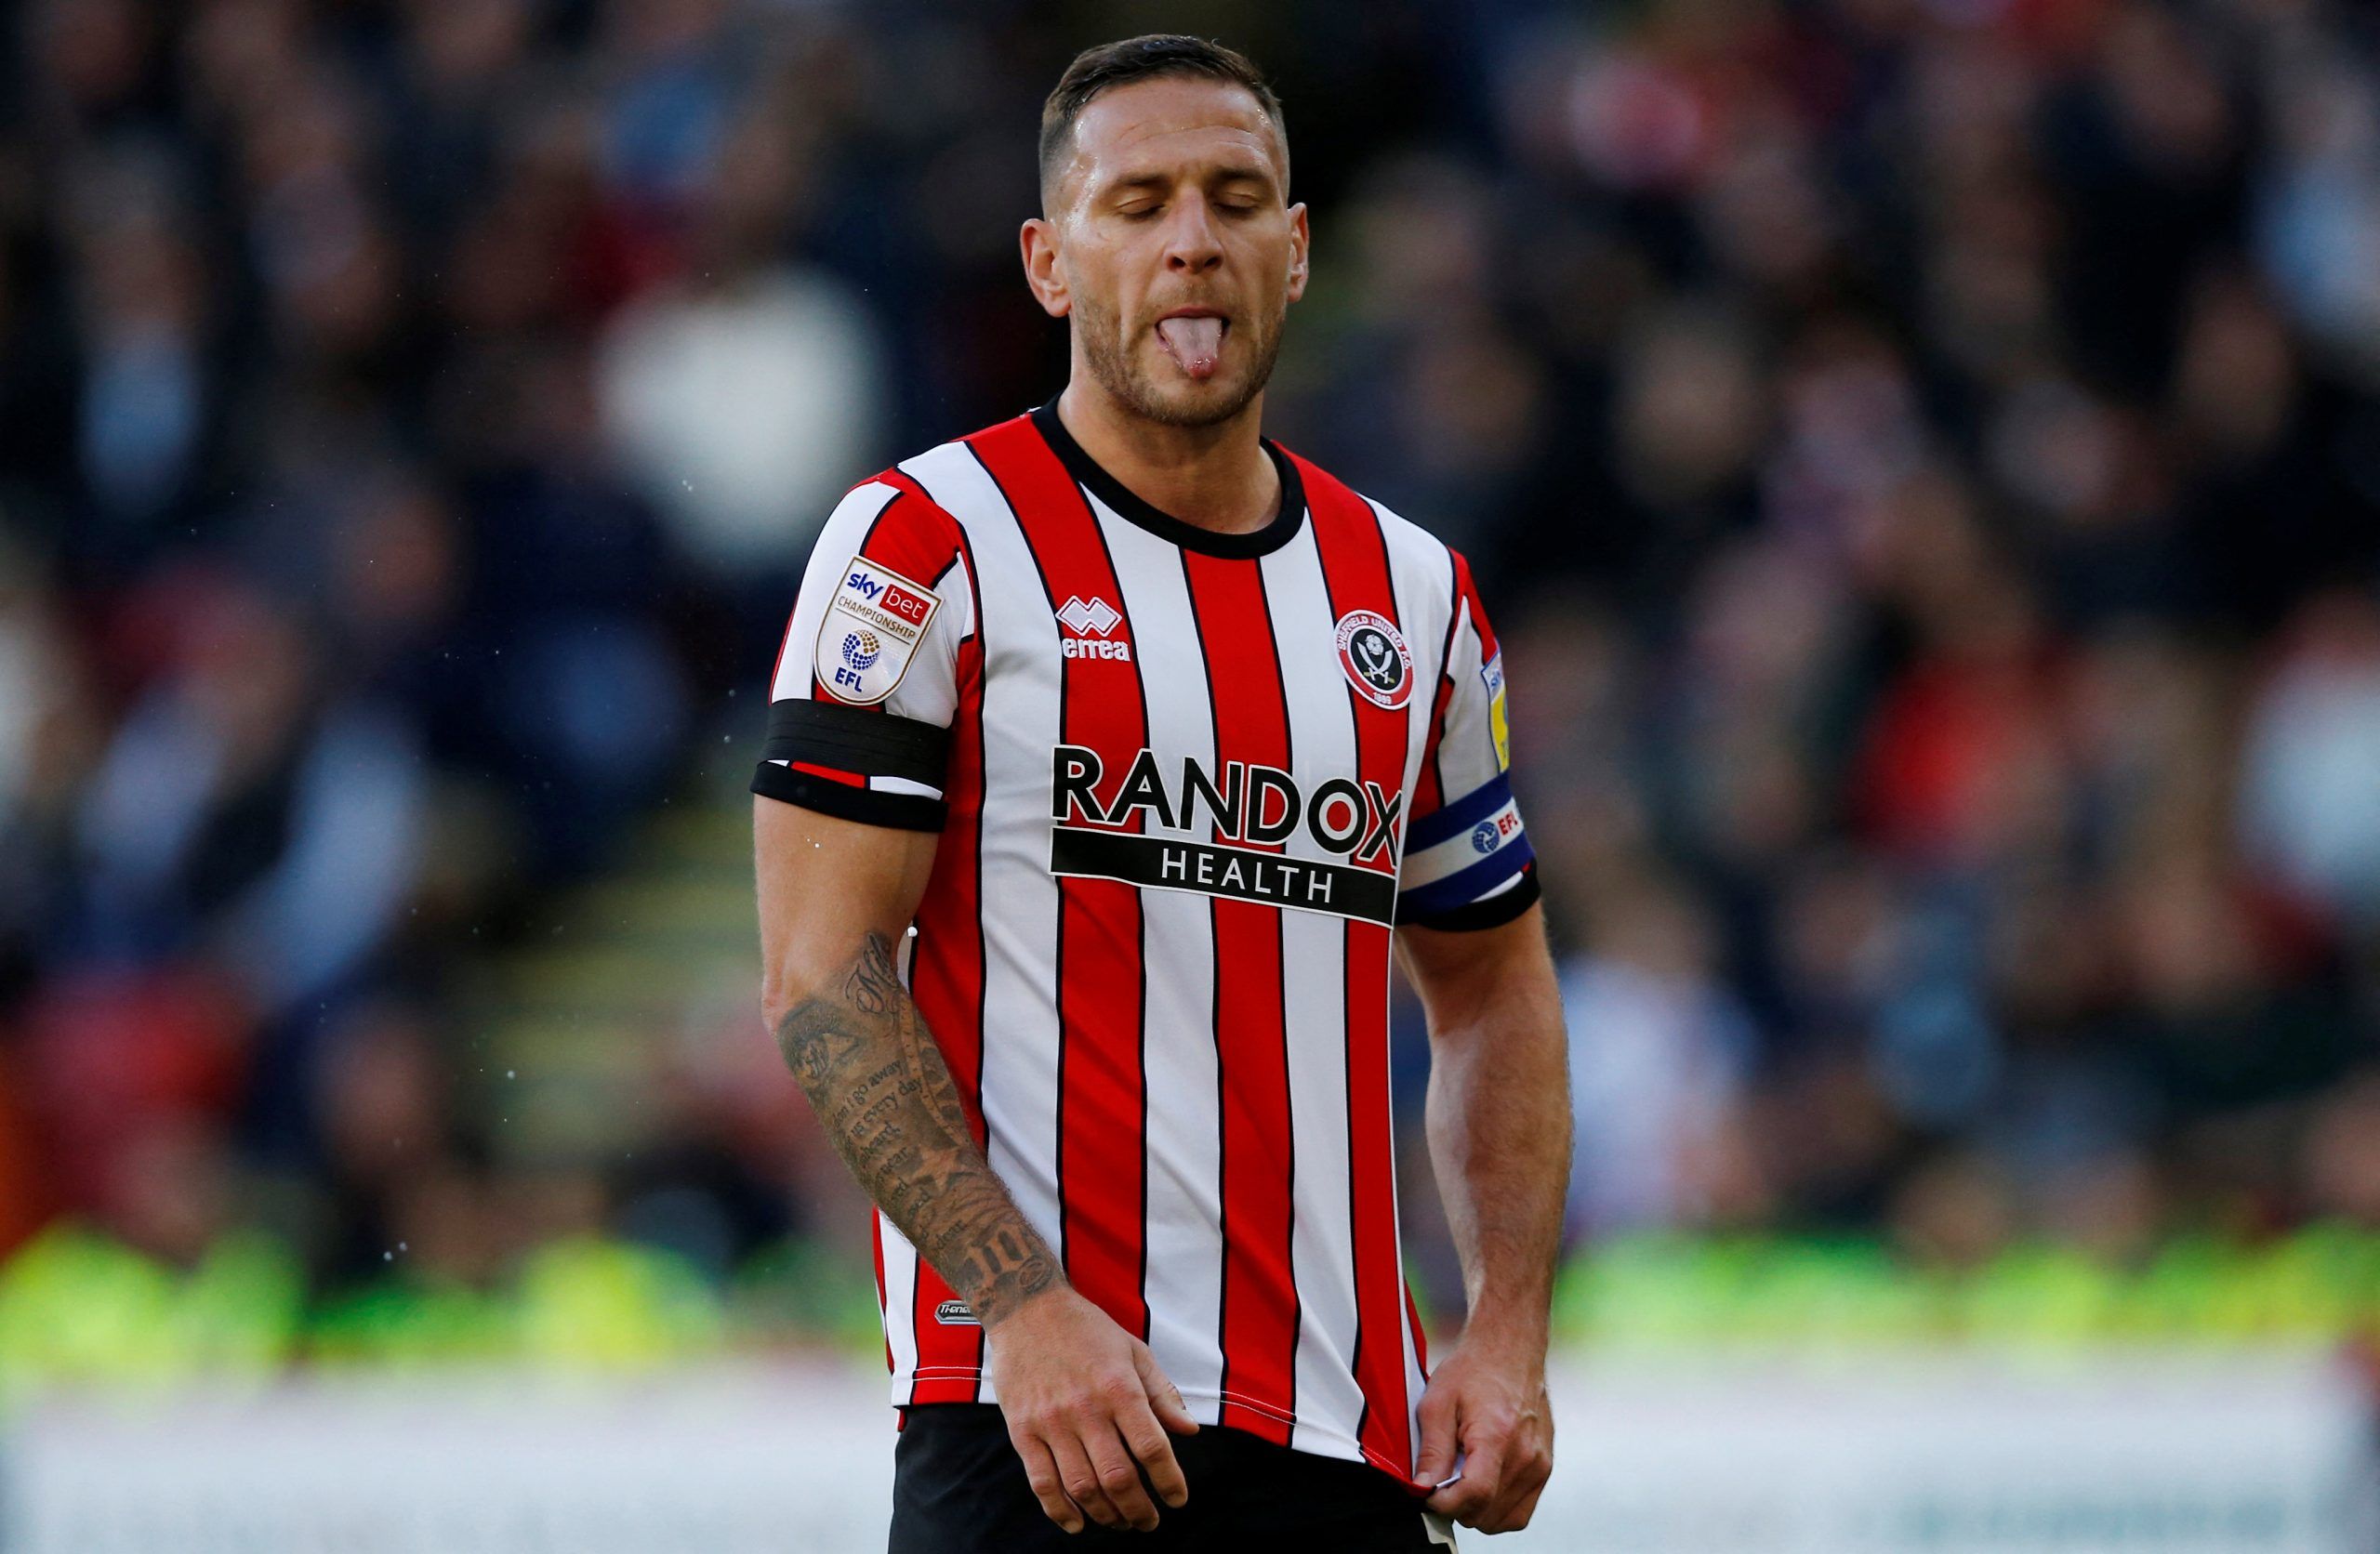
(1191, 244)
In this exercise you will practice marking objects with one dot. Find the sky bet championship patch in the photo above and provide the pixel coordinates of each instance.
(871, 631)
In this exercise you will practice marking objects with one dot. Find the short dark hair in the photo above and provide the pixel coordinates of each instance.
(1146, 57)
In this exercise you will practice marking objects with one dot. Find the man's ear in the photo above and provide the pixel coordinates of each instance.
(1039, 240)
(1299, 239)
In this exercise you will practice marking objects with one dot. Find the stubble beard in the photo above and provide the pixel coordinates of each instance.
(1113, 364)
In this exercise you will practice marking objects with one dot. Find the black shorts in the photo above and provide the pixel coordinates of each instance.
(958, 1488)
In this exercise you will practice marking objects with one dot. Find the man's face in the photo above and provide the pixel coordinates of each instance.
(1175, 253)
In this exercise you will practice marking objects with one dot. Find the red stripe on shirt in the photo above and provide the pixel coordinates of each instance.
(1355, 569)
(1102, 1086)
(1470, 595)
(1260, 1299)
(912, 534)
(1429, 792)
(947, 981)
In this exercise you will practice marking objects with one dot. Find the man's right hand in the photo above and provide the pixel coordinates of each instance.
(1085, 1402)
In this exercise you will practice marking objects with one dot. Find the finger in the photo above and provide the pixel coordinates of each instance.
(1540, 1470)
(1080, 1479)
(1437, 1441)
(1041, 1472)
(1139, 1427)
(1165, 1398)
(1464, 1500)
(1481, 1486)
(1502, 1510)
(1119, 1476)
(1521, 1514)
(1526, 1463)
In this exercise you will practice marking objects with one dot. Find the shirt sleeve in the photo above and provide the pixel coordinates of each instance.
(1468, 863)
(868, 677)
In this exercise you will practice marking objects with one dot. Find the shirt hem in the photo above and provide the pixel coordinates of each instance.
(1355, 1450)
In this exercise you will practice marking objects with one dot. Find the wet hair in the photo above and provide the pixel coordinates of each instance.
(1149, 57)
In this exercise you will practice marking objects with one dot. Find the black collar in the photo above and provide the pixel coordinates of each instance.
(1164, 525)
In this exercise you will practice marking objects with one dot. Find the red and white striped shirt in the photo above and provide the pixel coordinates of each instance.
(1186, 783)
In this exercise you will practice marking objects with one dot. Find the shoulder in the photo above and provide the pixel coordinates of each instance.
(1430, 574)
(1424, 553)
(951, 487)
(890, 520)
(923, 511)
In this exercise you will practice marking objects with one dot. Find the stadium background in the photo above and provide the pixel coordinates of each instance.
(1924, 456)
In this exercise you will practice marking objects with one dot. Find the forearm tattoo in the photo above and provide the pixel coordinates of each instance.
(863, 1054)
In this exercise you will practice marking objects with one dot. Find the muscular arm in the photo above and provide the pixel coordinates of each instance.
(1499, 1118)
(835, 900)
(1087, 1406)
(1499, 1111)
(861, 1054)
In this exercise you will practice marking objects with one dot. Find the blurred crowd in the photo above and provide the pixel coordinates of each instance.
(1924, 456)
(1938, 450)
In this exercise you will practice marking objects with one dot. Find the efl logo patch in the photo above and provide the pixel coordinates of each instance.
(872, 629)
(1374, 653)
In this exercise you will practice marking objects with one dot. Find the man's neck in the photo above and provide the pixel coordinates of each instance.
(1216, 477)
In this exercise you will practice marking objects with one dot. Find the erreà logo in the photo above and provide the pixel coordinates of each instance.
(954, 1314)
(1087, 622)
(1081, 618)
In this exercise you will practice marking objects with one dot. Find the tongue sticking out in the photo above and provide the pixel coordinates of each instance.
(1194, 343)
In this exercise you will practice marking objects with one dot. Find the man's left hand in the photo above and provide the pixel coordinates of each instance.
(1487, 1404)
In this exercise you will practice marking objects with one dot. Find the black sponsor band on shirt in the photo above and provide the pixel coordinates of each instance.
(861, 742)
(899, 812)
(1237, 874)
(1250, 803)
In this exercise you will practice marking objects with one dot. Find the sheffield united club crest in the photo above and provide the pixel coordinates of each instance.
(1374, 653)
